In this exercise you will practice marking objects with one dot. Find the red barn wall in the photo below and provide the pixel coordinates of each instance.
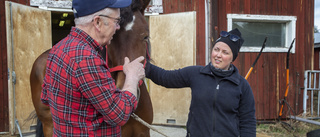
(268, 79)
(316, 59)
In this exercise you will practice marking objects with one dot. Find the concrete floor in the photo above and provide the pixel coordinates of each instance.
(169, 131)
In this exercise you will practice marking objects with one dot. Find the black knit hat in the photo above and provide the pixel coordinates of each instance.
(234, 45)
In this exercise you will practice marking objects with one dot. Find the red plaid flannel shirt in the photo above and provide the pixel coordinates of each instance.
(80, 91)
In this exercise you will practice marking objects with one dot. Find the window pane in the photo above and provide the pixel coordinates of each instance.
(254, 33)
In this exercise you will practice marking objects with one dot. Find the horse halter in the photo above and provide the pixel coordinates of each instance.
(120, 67)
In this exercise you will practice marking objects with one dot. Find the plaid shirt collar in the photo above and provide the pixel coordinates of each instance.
(76, 32)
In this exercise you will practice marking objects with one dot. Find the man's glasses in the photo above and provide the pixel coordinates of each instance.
(232, 37)
(117, 19)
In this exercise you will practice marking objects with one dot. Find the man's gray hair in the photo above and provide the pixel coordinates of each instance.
(87, 19)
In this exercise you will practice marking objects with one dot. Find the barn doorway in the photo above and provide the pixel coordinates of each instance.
(61, 23)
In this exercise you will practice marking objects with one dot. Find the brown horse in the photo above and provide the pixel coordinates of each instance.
(132, 40)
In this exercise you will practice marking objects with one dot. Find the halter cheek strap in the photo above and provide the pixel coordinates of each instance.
(117, 68)
(120, 67)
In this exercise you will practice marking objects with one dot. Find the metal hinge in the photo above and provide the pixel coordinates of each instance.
(13, 77)
(8, 74)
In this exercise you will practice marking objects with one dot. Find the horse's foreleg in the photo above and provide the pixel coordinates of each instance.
(145, 112)
(44, 115)
(47, 123)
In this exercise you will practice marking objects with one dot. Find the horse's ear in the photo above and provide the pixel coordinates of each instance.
(145, 5)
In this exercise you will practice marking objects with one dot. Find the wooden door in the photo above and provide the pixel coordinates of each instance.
(173, 40)
(28, 35)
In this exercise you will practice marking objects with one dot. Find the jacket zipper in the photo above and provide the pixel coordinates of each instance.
(214, 107)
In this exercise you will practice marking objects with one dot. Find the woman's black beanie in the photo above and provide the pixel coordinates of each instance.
(234, 46)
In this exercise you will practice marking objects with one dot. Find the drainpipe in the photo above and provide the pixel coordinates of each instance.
(13, 75)
(207, 28)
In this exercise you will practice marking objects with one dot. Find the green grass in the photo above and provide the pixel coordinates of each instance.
(293, 129)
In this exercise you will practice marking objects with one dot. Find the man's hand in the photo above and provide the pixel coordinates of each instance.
(134, 72)
(134, 69)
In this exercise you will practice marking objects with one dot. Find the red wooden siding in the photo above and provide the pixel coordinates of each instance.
(268, 79)
(316, 59)
(4, 109)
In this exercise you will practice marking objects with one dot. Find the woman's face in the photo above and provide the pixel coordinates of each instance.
(221, 56)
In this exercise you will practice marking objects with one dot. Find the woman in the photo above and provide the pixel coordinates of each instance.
(222, 102)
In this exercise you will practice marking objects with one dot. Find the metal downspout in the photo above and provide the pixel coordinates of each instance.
(305, 95)
(13, 75)
(207, 28)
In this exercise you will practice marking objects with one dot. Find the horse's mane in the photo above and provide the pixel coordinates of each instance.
(127, 13)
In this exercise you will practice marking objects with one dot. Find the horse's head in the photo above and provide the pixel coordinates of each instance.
(132, 40)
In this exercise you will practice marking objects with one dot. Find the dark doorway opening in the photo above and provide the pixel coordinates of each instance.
(62, 23)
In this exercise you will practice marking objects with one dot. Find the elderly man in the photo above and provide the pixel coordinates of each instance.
(78, 86)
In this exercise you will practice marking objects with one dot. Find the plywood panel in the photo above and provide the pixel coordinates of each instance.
(31, 35)
(4, 103)
(176, 6)
(173, 38)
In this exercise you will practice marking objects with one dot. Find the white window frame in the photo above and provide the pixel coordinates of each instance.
(290, 30)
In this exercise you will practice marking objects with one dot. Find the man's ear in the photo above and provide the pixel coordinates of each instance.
(97, 22)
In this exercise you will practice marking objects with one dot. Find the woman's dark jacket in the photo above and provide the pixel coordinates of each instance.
(220, 107)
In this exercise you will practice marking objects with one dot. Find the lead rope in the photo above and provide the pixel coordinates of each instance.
(133, 115)
(136, 117)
